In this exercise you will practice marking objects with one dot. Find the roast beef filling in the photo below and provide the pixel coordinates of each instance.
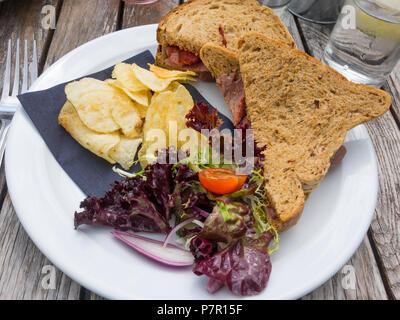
(181, 57)
(222, 33)
(338, 156)
(186, 60)
(232, 89)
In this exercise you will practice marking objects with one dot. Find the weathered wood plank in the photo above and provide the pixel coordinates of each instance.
(93, 296)
(393, 86)
(368, 284)
(290, 23)
(81, 21)
(25, 20)
(385, 134)
(3, 185)
(21, 262)
(23, 268)
(386, 224)
(315, 35)
(146, 14)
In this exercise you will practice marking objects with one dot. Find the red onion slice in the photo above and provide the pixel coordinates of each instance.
(181, 225)
(170, 255)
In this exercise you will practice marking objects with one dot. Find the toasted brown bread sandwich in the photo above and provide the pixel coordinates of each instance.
(183, 32)
(301, 110)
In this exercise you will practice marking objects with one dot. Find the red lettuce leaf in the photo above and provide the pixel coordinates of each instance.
(145, 202)
(258, 151)
(243, 267)
(202, 116)
(129, 205)
(158, 186)
(229, 221)
(202, 248)
(190, 198)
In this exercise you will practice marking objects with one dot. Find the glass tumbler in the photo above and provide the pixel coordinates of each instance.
(318, 11)
(364, 45)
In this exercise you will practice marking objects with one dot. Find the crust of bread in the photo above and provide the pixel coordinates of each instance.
(160, 57)
(219, 60)
(285, 225)
(301, 110)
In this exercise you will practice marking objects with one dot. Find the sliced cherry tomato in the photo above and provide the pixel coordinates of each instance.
(221, 180)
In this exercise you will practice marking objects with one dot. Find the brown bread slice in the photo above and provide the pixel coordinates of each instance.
(301, 110)
(195, 23)
(219, 60)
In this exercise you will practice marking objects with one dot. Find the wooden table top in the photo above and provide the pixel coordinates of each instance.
(23, 268)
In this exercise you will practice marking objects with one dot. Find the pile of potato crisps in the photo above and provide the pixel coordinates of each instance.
(112, 118)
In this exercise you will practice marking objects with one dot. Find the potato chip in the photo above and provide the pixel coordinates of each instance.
(142, 109)
(166, 114)
(128, 117)
(183, 103)
(141, 97)
(155, 120)
(156, 140)
(124, 74)
(167, 74)
(99, 143)
(180, 105)
(93, 100)
(124, 152)
(150, 80)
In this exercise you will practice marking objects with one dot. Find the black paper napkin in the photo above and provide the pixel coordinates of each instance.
(92, 174)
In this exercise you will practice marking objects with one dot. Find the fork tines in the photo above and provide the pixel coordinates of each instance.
(31, 68)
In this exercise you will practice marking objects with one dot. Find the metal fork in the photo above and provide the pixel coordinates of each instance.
(9, 102)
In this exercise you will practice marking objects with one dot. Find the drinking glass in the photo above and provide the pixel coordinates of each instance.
(318, 11)
(364, 45)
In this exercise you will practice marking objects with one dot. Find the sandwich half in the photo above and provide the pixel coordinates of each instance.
(300, 110)
(183, 32)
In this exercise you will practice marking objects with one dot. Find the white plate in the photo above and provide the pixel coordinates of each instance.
(335, 219)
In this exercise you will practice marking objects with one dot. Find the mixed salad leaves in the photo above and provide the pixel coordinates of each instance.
(219, 214)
